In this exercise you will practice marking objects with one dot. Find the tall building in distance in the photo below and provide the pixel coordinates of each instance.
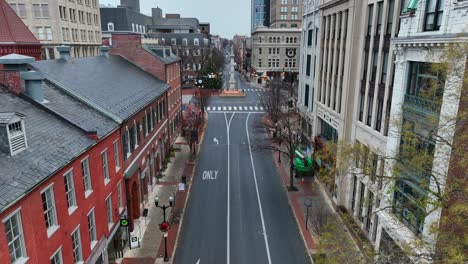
(285, 13)
(260, 14)
(54, 23)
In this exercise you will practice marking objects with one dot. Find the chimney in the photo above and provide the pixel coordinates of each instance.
(33, 85)
(10, 75)
(104, 51)
(64, 52)
(156, 15)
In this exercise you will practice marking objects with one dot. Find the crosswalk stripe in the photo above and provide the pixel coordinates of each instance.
(256, 108)
(229, 108)
(235, 108)
(246, 108)
(224, 108)
(208, 108)
(219, 108)
(261, 108)
(250, 108)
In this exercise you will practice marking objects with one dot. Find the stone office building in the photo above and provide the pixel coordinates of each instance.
(285, 13)
(275, 50)
(54, 23)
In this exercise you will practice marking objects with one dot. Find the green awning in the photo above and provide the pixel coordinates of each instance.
(412, 5)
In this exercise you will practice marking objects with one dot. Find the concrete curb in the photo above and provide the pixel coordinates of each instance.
(293, 212)
(189, 188)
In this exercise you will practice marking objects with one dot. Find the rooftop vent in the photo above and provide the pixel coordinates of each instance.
(12, 133)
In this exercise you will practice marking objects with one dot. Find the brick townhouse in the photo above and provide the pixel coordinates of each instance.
(69, 130)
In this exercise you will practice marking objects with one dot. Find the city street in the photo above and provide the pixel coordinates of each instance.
(238, 210)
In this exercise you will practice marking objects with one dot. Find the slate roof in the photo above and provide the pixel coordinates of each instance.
(52, 143)
(113, 86)
(76, 111)
(12, 28)
(176, 23)
(179, 36)
(158, 52)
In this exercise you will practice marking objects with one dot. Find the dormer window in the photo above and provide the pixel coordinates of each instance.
(184, 42)
(173, 41)
(12, 133)
(110, 26)
(196, 42)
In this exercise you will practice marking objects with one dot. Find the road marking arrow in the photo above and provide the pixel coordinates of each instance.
(215, 140)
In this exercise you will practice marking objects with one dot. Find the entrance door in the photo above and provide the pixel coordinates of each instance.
(135, 201)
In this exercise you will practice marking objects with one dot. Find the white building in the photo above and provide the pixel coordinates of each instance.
(350, 90)
(275, 50)
(62, 22)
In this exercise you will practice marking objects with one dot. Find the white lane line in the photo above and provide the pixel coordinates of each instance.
(265, 237)
(228, 247)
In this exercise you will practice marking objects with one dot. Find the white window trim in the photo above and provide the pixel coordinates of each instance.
(53, 229)
(106, 180)
(116, 143)
(110, 224)
(72, 208)
(81, 243)
(87, 192)
(94, 242)
(120, 199)
(55, 253)
(21, 260)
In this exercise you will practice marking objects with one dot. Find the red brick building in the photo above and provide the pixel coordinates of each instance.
(15, 37)
(63, 191)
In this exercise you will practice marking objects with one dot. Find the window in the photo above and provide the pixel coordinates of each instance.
(361, 201)
(260, 51)
(20, 9)
(259, 62)
(110, 221)
(81, 16)
(17, 137)
(133, 27)
(375, 59)
(92, 228)
(15, 237)
(379, 19)
(41, 10)
(353, 200)
(309, 37)
(369, 19)
(116, 155)
(306, 96)
(370, 203)
(424, 82)
(70, 190)
(308, 64)
(72, 15)
(44, 33)
(284, 2)
(184, 42)
(110, 26)
(284, 17)
(196, 42)
(284, 9)
(370, 104)
(119, 194)
(391, 9)
(105, 166)
(76, 245)
(434, 14)
(50, 214)
(57, 257)
(173, 41)
(384, 67)
(86, 176)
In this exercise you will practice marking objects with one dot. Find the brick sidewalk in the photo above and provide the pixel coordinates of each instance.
(308, 188)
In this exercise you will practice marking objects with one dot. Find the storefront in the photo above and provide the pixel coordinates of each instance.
(117, 243)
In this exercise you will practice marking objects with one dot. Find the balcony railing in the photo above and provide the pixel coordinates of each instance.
(421, 105)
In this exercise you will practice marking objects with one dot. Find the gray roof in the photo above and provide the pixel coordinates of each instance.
(158, 51)
(113, 86)
(52, 143)
(6, 117)
(77, 112)
(175, 23)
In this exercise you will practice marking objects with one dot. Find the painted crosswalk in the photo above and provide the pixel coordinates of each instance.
(236, 108)
(256, 90)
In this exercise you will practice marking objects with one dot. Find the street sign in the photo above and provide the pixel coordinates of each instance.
(181, 186)
(124, 222)
(134, 242)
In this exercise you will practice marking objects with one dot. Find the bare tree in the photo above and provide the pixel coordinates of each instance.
(284, 126)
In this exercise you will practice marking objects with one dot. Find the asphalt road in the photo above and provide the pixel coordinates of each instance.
(238, 210)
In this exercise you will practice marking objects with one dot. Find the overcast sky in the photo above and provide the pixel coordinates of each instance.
(226, 17)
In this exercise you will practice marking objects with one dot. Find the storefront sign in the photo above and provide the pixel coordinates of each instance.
(134, 242)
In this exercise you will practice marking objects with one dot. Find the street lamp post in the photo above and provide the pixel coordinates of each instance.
(164, 207)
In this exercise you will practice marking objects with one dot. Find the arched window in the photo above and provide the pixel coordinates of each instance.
(184, 42)
(196, 42)
(174, 41)
(110, 26)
